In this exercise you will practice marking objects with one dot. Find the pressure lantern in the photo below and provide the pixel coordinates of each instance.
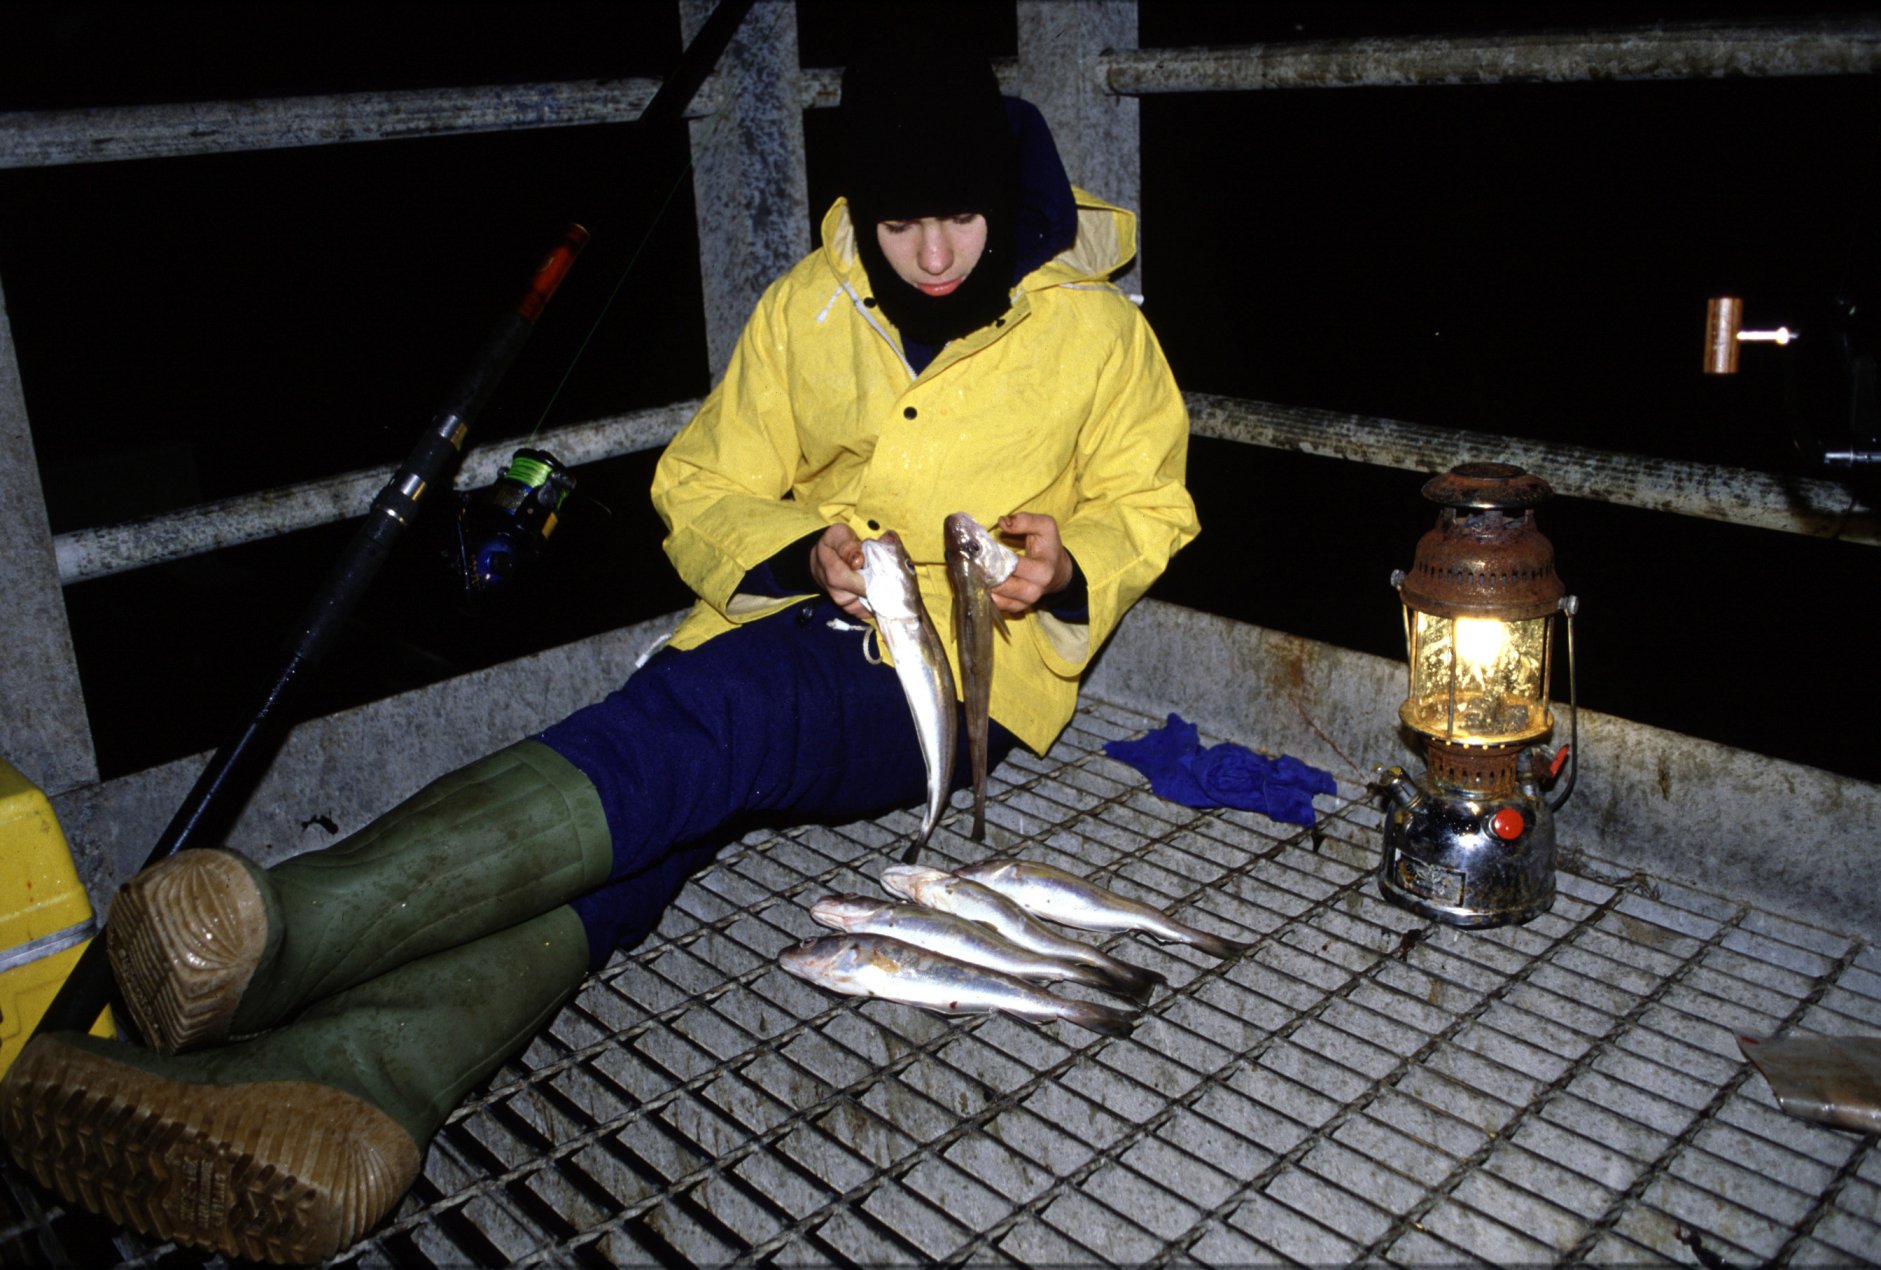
(1474, 845)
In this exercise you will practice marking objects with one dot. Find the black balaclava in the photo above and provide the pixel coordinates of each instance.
(927, 136)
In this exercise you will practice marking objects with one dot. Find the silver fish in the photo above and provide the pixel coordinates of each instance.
(1069, 900)
(951, 936)
(889, 970)
(934, 888)
(976, 563)
(920, 664)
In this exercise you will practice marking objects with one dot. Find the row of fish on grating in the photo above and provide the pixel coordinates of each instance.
(976, 941)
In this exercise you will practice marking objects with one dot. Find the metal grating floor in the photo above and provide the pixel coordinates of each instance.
(1360, 1087)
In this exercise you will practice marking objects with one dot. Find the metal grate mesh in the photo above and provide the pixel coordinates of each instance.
(1360, 1087)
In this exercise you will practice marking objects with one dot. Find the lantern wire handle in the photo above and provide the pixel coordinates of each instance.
(1570, 605)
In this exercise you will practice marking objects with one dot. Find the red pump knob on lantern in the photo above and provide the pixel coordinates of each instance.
(1507, 824)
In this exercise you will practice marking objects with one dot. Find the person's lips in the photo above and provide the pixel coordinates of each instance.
(940, 288)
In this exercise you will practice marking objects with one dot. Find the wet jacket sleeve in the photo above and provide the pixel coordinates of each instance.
(722, 485)
(1133, 511)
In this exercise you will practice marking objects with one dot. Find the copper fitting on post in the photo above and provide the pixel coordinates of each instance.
(1724, 331)
(1724, 314)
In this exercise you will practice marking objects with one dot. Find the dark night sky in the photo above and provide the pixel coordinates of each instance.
(1517, 260)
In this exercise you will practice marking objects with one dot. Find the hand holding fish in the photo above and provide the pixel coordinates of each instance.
(836, 564)
(1044, 567)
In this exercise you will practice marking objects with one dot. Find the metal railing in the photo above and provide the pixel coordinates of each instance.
(1798, 505)
(1841, 47)
(1846, 47)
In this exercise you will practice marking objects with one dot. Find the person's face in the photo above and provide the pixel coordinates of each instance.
(933, 254)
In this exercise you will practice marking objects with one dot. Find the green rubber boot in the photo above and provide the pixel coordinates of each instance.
(207, 945)
(289, 1147)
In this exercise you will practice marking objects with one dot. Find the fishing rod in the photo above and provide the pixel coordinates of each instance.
(236, 768)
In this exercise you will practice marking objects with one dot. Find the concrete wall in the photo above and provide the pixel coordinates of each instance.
(1741, 825)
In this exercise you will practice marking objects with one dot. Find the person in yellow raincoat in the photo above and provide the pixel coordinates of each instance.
(954, 345)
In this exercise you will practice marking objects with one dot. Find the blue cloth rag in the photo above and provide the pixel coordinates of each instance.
(1225, 775)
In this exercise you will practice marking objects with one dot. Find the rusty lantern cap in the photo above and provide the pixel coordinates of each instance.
(1483, 486)
(1485, 558)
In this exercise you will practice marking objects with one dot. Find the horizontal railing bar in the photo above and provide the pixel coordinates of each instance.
(1792, 504)
(1798, 505)
(1831, 47)
(52, 138)
(96, 553)
(177, 130)
(173, 130)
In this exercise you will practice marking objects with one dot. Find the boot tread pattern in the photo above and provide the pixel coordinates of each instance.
(281, 1171)
(185, 938)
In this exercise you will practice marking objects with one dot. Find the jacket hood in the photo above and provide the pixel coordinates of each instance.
(1105, 243)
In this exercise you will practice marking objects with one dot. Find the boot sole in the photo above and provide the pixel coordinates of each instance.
(184, 938)
(283, 1171)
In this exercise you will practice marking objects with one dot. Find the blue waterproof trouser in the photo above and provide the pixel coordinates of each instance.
(783, 718)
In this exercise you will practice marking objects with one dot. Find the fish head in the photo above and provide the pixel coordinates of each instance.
(823, 959)
(809, 959)
(910, 880)
(970, 546)
(961, 534)
(846, 912)
(888, 579)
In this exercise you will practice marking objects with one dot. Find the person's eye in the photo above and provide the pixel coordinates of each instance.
(966, 218)
(896, 226)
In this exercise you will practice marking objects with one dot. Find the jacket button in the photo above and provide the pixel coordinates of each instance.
(874, 525)
(909, 413)
(868, 301)
(805, 612)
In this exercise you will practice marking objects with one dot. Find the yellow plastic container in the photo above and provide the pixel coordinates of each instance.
(45, 915)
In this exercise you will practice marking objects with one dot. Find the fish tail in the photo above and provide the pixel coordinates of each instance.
(1131, 981)
(921, 836)
(1216, 946)
(1100, 1018)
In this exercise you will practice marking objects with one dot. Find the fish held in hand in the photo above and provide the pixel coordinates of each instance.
(937, 889)
(890, 970)
(914, 646)
(976, 563)
(1069, 900)
(952, 936)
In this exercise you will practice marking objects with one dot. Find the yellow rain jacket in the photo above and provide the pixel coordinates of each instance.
(1064, 407)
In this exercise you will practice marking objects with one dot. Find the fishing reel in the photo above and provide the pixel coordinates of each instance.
(503, 529)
